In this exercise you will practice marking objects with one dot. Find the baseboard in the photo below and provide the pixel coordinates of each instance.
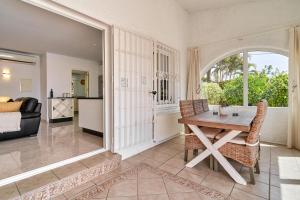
(131, 151)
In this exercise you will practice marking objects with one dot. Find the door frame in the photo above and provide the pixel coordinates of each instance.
(107, 85)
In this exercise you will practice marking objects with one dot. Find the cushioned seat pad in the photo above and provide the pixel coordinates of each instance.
(210, 132)
(240, 139)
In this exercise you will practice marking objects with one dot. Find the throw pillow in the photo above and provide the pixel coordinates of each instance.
(4, 99)
(10, 107)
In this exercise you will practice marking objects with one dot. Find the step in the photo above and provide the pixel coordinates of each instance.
(61, 180)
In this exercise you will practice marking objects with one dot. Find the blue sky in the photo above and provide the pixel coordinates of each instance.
(266, 58)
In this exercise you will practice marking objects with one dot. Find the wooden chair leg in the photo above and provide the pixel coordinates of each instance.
(195, 152)
(257, 169)
(252, 179)
(186, 153)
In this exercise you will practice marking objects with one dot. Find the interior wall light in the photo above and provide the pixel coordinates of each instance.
(6, 74)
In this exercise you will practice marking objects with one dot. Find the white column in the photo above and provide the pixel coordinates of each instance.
(245, 78)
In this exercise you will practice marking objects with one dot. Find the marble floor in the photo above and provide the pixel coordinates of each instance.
(54, 142)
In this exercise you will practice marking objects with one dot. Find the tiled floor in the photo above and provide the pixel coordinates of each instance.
(55, 142)
(279, 178)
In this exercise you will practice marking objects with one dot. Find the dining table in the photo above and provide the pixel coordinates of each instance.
(236, 123)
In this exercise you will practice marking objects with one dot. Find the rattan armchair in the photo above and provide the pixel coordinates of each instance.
(245, 148)
(192, 142)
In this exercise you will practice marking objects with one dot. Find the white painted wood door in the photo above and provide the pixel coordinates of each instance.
(133, 83)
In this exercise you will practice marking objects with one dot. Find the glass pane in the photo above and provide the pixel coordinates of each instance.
(223, 83)
(268, 78)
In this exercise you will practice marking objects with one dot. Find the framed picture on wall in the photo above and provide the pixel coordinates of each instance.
(26, 85)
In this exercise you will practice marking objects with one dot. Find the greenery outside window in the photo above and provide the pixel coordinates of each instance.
(245, 78)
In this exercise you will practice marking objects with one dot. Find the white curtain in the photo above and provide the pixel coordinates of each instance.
(193, 90)
(294, 89)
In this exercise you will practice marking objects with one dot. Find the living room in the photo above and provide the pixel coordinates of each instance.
(42, 59)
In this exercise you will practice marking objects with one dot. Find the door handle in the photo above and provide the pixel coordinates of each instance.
(153, 92)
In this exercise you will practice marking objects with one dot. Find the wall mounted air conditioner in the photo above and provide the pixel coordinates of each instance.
(11, 56)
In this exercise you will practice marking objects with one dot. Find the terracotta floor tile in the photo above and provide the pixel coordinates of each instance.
(173, 187)
(151, 186)
(184, 196)
(9, 191)
(125, 188)
(259, 189)
(242, 195)
(35, 182)
(68, 170)
(76, 191)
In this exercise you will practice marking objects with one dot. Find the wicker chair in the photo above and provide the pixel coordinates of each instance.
(245, 147)
(192, 142)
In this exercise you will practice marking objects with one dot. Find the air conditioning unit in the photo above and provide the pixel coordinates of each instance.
(11, 56)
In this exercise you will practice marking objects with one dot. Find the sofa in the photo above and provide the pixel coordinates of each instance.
(30, 119)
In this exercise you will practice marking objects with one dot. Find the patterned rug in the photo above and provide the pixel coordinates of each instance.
(146, 183)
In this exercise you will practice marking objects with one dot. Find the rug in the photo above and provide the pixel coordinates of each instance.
(144, 182)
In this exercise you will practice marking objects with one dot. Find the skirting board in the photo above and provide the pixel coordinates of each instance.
(40, 170)
(131, 151)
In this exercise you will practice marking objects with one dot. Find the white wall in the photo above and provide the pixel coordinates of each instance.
(260, 24)
(163, 20)
(11, 87)
(59, 73)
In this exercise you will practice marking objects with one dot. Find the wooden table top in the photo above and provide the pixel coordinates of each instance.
(207, 119)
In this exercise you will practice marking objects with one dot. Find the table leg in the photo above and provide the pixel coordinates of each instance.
(213, 149)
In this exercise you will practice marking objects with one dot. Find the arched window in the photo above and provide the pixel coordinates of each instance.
(247, 77)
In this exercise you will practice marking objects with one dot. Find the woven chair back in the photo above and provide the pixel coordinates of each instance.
(257, 123)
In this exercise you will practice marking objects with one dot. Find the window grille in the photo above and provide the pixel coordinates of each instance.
(166, 75)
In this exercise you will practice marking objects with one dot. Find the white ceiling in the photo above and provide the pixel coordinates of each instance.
(26, 28)
(200, 5)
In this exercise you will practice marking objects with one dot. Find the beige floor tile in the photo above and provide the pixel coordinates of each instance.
(218, 182)
(171, 169)
(68, 170)
(176, 162)
(152, 162)
(154, 197)
(123, 189)
(101, 195)
(9, 191)
(275, 180)
(122, 198)
(135, 160)
(60, 197)
(151, 186)
(35, 182)
(289, 191)
(262, 177)
(173, 187)
(146, 174)
(184, 196)
(259, 189)
(157, 156)
(275, 193)
(93, 161)
(242, 195)
(76, 191)
(196, 178)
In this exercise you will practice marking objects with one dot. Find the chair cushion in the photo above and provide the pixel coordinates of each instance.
(30, 115)
(210, 132)
(240, 139)
(28, 104)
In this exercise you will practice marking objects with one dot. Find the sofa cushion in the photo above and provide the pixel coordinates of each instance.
(30, 115)
(10, 106)
(28, 104)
